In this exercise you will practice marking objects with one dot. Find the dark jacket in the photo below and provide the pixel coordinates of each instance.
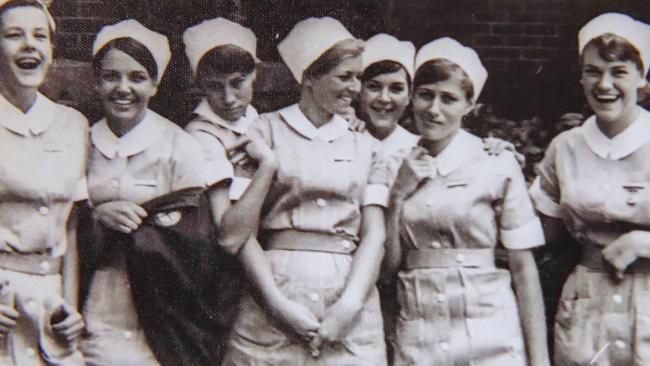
(184, 286)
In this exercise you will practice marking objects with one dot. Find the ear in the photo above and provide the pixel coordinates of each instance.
(470, 107)
(254, 74)
(155, 88)
(642, 83)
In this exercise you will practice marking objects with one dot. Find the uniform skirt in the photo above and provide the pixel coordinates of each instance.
(457, 317)
(315, 280)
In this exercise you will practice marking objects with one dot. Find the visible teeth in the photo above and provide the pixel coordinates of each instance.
(607, 98)
(28, 63)
(123, 101)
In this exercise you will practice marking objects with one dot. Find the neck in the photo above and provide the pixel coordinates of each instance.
(435, 147)
(613, 128)
(121, 127)
(314, 113)
(380, 133)
(21, 98)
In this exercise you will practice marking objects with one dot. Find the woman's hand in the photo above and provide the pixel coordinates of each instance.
(261, 152)
(414, 169)
(67, 323)
(495, 146)
(297, 317)
(8, 318)
(623, 251)
(337, 322)
(123, 216)
(356, 124)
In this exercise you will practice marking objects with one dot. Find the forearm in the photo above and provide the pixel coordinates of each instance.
(530, 303)
(259, 274)
(70, 269)
(367, 259)
(242, 218)
(393, 257)
(641, 240)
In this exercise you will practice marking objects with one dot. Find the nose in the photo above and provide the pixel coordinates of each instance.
(605, 81)
(123, 85)
(383, 95)
(354, 85)
(229, 96)
(434, 107)
(29, 42)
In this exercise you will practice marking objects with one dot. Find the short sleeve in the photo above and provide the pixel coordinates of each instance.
(261, 129)
(217, 167)
(376, 192)
(545, 190)
(188, 162)
(519, 226)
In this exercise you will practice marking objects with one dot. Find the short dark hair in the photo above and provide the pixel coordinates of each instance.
(611, 47)
(384, 67)
(226, 59)
(441, 69)
(20, 3)
(333, 57)
(132, 48)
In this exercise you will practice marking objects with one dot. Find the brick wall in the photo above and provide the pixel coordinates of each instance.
(528, 46)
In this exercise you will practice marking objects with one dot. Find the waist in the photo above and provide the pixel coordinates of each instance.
(308, 241)
(37, 264)
(448, 258)
(592, 258)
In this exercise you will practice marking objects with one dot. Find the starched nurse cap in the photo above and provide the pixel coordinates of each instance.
(203, 37)
(155, 42)
(452, 50)
(624, 26)
(384, 47)
(43, 5)
(308, 40)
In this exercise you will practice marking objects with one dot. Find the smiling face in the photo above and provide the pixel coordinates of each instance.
(610, 87)
(25, 47)
(384, 99)
(229, 94)
(438, 108)
(335, 91)
(125, 87)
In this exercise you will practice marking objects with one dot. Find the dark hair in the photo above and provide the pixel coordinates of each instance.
(21, 3)
(333, 57)
(226, 59)
(132, 48)
(611, 47)
(384, 67)
(440, 70)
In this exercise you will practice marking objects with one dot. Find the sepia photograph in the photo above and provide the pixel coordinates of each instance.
(327, 183)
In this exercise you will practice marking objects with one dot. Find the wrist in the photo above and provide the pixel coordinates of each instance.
(269, 165)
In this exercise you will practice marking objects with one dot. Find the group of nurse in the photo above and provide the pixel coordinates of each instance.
(316, 211)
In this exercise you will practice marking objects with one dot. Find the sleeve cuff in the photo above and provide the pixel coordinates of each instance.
(81, 190)
(238, 187)
(216, 172)
(525, 237)
(376, 194)
(543, 203)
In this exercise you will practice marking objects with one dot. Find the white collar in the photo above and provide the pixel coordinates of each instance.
(460, 149)
(621, 145)
(399, 139)
(36, 120)
(330, 131)
(239, 126)
(138, 139)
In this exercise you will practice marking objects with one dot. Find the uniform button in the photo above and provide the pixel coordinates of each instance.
(346, 244)
(444, 346)
(436, 245)
(44, 210)
(45, 266)
(321, 202)
(460, 258)
(115, 183)
(128, 334)
(30, 352)
(314, 297)
(617, 298)
(620, 344)
(441, 298)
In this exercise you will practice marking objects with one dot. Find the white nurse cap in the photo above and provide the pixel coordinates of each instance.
(43, 5)
(624, 26)
(384, 47)
(308, 40)
(203, 37)
(452, 50)
(156, 43)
